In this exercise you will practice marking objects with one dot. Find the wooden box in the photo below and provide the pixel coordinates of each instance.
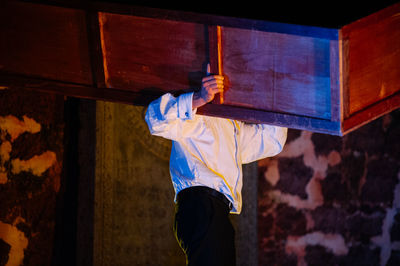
(311, 78)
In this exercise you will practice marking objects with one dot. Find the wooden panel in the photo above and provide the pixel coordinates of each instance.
(44, 41)
(75, 90)
(373, 50)
(149, 54)
(215, 57)
(372, 112)
(278, 72)
(272, 118)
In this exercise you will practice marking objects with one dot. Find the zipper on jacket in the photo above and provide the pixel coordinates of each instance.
(236, 155)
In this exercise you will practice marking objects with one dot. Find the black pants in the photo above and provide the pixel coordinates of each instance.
(203, 229)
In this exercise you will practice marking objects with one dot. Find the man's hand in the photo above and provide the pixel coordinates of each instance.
(211, 85)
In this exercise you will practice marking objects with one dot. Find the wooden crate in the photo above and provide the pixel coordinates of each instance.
(311, 78)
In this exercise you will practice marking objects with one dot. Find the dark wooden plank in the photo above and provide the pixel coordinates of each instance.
(344, 76)
(212, 57)
(214, 20)
(278, 72)
(215, 56)
(336, 97)
(373, 58)
(147, 54)
(289, 75)
(44, 41)
(129, 97)
(300, 13)
(367, 115)
(272, 118)
(96, 54)
(16, 82)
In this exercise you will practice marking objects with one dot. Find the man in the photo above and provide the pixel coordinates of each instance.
(206, 168)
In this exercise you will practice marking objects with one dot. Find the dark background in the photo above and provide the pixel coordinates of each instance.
(331, 14)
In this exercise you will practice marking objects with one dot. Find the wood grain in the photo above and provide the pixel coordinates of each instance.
(278, 72)
(215, 58)
(44, 41)
(373, 58)
(76, 90)
(148, 54)
(371, 113)
(273, 118)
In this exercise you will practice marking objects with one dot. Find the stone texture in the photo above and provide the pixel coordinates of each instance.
(394, 258)
(324, 143)
(333, 200)
(395, 230)
(292, 135)
(361, 255)
(29, 196)
(294, 176)
(369, 139)
(289, 221)
(329, 219)
(382, 174)
(276, 256)
(317, 254)
(361, 228)
(4, 252)
(335, 190)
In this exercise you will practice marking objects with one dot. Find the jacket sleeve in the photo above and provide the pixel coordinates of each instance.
(258, 141)
(168, 116)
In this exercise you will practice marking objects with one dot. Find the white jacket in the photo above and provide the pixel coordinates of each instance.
(209, 151)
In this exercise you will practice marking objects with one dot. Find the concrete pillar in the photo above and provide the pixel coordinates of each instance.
(246, 223)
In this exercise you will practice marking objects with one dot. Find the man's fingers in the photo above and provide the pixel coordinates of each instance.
(214, 86)
(212, 77)
(215, 89)
(213, 82)
(218, 91)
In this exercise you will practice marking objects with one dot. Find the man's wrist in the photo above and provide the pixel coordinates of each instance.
(197, 100)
